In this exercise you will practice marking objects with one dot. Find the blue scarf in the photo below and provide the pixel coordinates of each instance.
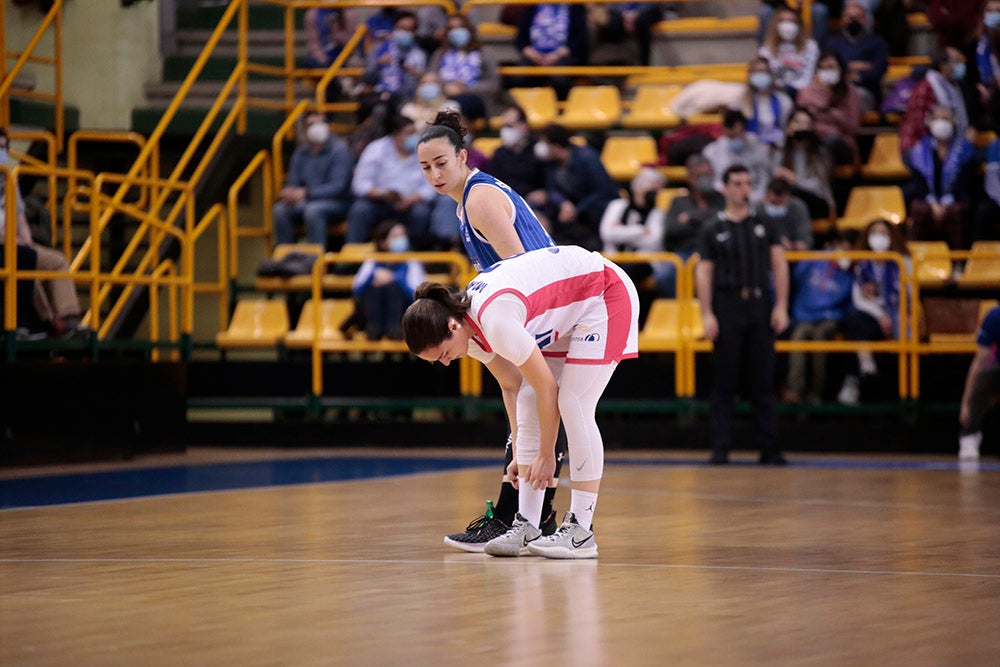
(772, 136)
(550, 27)
(885, 277)
(922, 156)
(986, 62)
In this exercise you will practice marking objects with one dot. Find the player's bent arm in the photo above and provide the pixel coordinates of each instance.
(509, 378)
(491, 212)
(536, 372)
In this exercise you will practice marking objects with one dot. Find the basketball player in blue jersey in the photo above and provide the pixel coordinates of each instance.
(494, 223)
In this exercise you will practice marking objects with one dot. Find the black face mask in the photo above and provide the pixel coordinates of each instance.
(854, 28)
(803, 135)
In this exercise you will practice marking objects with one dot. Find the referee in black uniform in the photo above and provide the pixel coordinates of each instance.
(739, 254)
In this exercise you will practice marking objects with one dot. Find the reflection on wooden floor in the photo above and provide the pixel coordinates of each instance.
(699, 566)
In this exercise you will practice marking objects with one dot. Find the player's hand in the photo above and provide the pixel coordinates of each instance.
(711, 325)
(779, 319)
(541, 472)
(512, 473)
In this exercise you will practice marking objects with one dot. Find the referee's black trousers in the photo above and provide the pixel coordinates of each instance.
(745, 341)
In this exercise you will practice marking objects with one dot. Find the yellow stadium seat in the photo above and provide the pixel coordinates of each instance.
(983, 266)
(623, 157)
(674, 173)
(886, 160)
(486, 145)
(333, 312)
(869, 202)
(918, 20)
(539, 104)
(651, 108)
(256, 324)
(591, 108)
(931, 262)
(707, 24)
(662, 330)
(489, 29)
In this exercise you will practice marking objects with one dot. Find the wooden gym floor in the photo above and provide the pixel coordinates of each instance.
(834, 560)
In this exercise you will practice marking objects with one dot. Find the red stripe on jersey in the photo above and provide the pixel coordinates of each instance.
(620, 315)
(554, 295)
(477, 335)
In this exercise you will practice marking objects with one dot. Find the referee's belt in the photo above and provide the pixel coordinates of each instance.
(745, 293)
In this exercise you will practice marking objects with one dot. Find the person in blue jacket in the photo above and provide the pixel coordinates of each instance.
(383, 290)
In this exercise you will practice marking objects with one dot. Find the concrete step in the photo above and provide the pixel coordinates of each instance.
(261, 43)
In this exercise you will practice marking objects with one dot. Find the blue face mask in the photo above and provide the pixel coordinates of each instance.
(398, 244)
(775, 210)
(429, 91)
(459, 37)
(991, 19)
(403, 38)
(737, 145)
(4, 155)
(958, 71)
(410, 145)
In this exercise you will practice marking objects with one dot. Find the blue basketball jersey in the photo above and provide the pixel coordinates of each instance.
(533, 236)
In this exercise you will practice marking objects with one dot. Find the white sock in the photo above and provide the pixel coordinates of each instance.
(582, 505)
(866, 362)
(529, 502)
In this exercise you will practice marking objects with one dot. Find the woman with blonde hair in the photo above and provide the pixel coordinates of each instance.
(789, 51)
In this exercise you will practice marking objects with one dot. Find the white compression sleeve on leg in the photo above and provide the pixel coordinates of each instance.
(580, 388)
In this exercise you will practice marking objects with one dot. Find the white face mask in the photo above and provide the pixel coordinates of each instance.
(760, 80)
(775, 210)
(318, 133)
(844, 263)
(941, 129)
(879, 242)
(511, 136)
(542, 151)
(788, 30)
(828, 77)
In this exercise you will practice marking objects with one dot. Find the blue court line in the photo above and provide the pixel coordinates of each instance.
(121, 484)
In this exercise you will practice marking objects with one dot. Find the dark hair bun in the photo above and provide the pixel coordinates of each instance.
(452, 120)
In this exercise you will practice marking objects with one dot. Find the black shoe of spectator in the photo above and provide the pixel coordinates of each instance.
(776, 459)
(719, 459)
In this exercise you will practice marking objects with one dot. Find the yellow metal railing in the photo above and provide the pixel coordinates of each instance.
(53, 19)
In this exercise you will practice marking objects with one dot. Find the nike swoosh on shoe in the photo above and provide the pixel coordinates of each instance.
(582, 542)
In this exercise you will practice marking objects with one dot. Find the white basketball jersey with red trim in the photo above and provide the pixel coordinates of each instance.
(578, 304)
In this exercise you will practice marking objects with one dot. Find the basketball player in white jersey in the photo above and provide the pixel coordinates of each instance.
(551, 325)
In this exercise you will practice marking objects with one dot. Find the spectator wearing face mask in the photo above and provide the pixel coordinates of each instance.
(428, 98)
(865, 53)
(514, 162)
(790, 53)
(459, 61)
(577, 188)
(382, 290)
(737, 146)
(389, 184)
(788, 215)
(982, 80)
(317, 190)
(806, 165)
(938, 88)
(875, 299)
(944, 167)
(821, 295)
(820, 14)
(685, 217)
(634, 223)
(395, 65)
(765, 106)
(836, 108)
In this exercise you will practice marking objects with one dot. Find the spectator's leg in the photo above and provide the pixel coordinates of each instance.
(285, 217)
(418, 224)
(796, 383)
(65, 302)
(987, 222)
(562, 84)
(922, 226)
(363, 215)
(648, 17)
(318, 215)
(958, 226)
(825, 330)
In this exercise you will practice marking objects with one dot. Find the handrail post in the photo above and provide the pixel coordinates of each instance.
(244, 32)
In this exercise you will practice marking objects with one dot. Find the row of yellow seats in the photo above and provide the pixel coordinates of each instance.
(261, 324)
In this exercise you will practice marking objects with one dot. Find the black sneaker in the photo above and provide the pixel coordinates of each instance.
(550, 526)
(479, 532)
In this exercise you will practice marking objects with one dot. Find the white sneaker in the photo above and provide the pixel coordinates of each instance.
(850, 393)
(968, 446)
(571, 541)
(515, 541)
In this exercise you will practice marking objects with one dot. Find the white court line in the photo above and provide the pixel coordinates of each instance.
(797, 501)
(479, 561)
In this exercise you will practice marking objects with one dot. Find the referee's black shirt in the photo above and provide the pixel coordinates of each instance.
(740, 252)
